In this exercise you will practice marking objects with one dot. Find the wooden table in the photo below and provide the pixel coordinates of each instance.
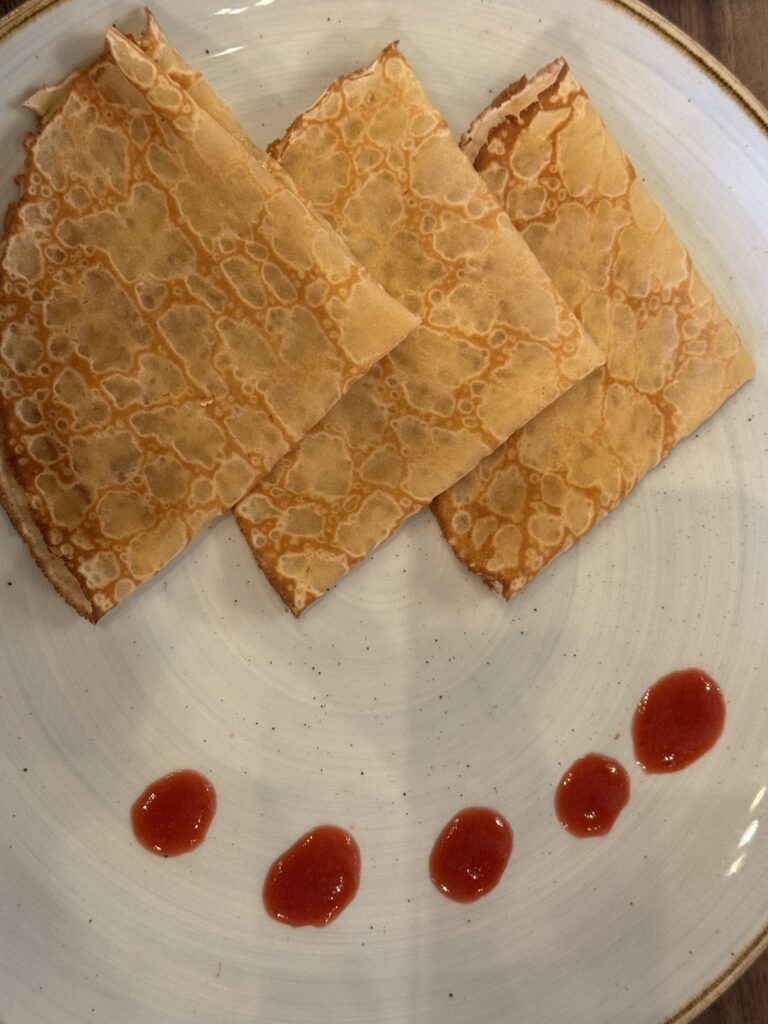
(736, 32)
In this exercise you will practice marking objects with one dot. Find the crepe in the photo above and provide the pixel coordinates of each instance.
(172, 320)
(672, 357)
(496, 345)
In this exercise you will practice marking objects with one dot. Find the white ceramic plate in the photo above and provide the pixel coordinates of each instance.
(411, 690)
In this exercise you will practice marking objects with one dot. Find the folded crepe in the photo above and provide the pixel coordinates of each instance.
(172, 320)
(497, 344)
(672, 357)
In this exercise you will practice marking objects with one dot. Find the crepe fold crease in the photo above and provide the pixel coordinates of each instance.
(172, 320)
(672, 358)
(496, 345)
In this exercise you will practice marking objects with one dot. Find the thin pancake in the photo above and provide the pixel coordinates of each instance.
(14, 501)
(497, 343)
(672, 357)
(173, 319)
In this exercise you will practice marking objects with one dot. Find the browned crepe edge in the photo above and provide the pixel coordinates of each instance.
(276, 148)
(13, 500)
(471, 145)
(13, 497)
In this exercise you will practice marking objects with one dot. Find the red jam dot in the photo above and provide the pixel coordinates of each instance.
(172, 815)
(678, 719)
(471, 853)
(591, 795)
(314, 880)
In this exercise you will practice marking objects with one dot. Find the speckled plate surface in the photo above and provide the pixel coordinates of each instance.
(410, 690)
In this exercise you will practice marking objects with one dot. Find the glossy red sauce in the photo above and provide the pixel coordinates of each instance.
(314, 880)
(678, 719)
(591, 795)
(172, 815)
(471, 853)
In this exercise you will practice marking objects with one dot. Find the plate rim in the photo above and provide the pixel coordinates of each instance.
(682, 42)
(28, 10)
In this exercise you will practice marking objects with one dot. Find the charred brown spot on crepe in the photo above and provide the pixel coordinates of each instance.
(496, 346)
(168, 328)
(672, 357)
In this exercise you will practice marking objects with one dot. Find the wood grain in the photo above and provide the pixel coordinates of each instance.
(736, 32)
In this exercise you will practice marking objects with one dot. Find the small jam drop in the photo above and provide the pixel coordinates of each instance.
(470, 854)
(678, 719)
(591, 795)
(172, 815)
(314, 880)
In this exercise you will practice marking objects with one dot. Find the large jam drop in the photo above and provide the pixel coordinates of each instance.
(314, 880)
(678, 719)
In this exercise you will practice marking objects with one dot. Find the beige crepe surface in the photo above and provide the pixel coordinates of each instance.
(672, 357)
(496, 345)
(173, 319)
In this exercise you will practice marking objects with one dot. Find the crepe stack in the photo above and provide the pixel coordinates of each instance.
(172, 320)
(496, 345)
(672, 357)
